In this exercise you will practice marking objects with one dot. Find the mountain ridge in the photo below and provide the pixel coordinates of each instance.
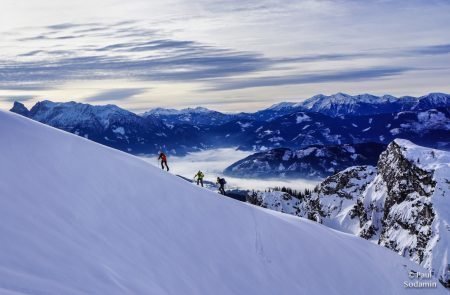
(197, 129)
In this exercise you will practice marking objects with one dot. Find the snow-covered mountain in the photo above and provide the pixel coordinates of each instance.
(310, 162)
(113, 126)
(302, 129)
(81, 218)
(402, 204)
(179, 132)
(341, 104)
(191, 116)
(433, 100)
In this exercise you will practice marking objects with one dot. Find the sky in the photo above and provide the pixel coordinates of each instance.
(227, 55)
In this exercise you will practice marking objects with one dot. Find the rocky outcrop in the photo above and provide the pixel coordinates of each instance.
(20, 109)
(407, 208)
(276, 200)
(403, 204)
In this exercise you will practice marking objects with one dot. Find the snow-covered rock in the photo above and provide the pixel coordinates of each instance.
(415, 185)
(80, 218)
(403, 204)
(276, 200)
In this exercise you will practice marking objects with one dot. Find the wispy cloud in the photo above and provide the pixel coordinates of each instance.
(166, 60)
(19, 98)
(115, 94)
(432, 50)
(328, 76)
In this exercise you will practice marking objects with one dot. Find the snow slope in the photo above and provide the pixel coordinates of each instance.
(80, 218)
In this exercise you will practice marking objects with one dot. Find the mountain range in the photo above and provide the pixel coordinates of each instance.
(315, 162)
(320, 121)
(81, 218)
(425, 121)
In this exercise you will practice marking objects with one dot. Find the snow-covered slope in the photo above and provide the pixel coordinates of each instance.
(80, 218)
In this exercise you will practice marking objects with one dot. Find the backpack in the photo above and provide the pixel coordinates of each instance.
(222, 181)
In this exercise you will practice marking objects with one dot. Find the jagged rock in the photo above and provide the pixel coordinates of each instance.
(403, 204)
(20, 109)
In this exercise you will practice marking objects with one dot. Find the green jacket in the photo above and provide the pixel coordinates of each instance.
(199, 175)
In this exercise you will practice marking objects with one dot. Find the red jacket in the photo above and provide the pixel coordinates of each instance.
(163, 157)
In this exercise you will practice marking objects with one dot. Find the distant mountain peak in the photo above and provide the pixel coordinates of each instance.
(433, 100)
(281, 105)
(164, 111)
(341, 104)
(197, 110)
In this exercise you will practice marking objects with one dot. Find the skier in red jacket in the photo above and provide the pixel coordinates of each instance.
(163, 159)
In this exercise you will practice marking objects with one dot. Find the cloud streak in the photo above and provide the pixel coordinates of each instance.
(115, 94)
(19, 98)
(329, 76)
(180, 60)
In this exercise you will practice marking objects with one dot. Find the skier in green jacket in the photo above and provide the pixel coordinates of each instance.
(199, 177)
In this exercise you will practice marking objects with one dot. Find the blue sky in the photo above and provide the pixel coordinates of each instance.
(224, 54)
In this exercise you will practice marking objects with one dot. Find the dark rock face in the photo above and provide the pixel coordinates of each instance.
(406, 184)
(340, 183)
(20, 109)
(401, 176)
